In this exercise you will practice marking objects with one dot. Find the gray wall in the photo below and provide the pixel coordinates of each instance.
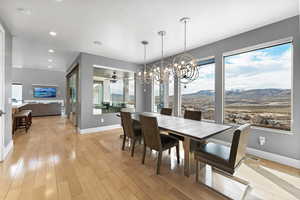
(28, 77)
(278, 143)
(8, 71)
(86, 117)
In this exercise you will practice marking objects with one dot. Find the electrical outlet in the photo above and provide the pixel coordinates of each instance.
(262, 140)
(102, 120)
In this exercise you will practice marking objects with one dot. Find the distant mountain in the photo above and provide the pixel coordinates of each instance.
(258, 93)
(202, 93)
(255, 93)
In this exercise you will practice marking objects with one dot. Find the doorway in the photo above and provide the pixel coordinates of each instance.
(72, 96)
(2, 91)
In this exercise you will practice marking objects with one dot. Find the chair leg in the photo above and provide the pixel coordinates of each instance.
(144, 154)
(197, 171)
(124, 140)
(132, 147)
(26, 124)
(177, 153)
(159, 162)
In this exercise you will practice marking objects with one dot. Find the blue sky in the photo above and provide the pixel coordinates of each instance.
(264, 68)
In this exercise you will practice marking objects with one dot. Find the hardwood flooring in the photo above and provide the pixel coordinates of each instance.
(52, 161)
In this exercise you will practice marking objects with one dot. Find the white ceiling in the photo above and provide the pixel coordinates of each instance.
(121, 24)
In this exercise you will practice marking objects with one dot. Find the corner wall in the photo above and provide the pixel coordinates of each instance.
(87, 120)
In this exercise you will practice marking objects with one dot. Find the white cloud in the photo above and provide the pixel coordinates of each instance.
(258, 70)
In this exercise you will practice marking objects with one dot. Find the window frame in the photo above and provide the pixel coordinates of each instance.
(255, 48)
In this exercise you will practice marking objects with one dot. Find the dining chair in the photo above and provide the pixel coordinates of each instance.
(156, 141)
(166, 111)
(223, 159)
(132, 130)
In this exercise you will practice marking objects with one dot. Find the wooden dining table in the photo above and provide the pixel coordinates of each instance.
(189, 129)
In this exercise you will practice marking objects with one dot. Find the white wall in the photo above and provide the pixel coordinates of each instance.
(8, 68)
(29, 77)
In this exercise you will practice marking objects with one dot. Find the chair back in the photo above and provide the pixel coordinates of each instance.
(166, 111)
(150, 132)
(193, 115)
(127, 124)
(239, 145)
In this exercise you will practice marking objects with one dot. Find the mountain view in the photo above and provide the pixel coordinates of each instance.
(260, 107)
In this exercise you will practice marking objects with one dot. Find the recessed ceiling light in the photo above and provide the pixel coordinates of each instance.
(52, 33)
(18, 66)
(51, 51)
(59, 0)
(50, 67)
(97, 43)
(24, 11)
(50, 60)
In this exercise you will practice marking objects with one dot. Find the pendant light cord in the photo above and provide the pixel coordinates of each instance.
(184, 36)
(145, 52)
(162, 50)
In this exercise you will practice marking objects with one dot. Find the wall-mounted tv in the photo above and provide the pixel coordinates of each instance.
(42, 92)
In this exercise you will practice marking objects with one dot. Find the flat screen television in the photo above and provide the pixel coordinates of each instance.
(39, 92)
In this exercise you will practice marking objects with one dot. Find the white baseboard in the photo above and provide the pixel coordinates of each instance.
(99, 129)
(267, 155)
(7, 149)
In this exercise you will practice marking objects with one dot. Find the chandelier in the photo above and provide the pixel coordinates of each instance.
(146, 76)
(184, 67)
(161, 69)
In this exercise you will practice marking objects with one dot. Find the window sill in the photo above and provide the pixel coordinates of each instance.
(269, 130)
(274, 131)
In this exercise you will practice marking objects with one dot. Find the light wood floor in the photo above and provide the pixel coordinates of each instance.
(51, 161)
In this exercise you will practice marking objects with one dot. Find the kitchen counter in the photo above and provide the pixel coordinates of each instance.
(18, 105)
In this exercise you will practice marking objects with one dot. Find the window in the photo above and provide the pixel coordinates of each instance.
(117, 92)
(200, 94)
(98, 93)
(17, 96)
(112, 90)
(258, 87)
(157, 99)
(131, 100)
(171, 91)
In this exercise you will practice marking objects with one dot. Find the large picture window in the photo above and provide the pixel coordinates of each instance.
(258, 87)
(200, 94)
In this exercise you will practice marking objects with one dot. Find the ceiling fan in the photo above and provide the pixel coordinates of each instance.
(114, 77)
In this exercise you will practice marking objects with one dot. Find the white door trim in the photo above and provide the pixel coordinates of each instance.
(2, 79)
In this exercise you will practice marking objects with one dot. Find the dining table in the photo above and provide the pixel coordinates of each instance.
(188, 129)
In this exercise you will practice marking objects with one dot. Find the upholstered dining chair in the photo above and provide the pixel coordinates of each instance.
(156, 141)
(222, 158)
(166, 111)
(132, 130)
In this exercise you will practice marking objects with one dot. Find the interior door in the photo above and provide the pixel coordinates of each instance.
(2, 90)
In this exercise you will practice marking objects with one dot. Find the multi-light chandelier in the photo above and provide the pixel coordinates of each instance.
(184, 66)
(146, 76)
(161, 69)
